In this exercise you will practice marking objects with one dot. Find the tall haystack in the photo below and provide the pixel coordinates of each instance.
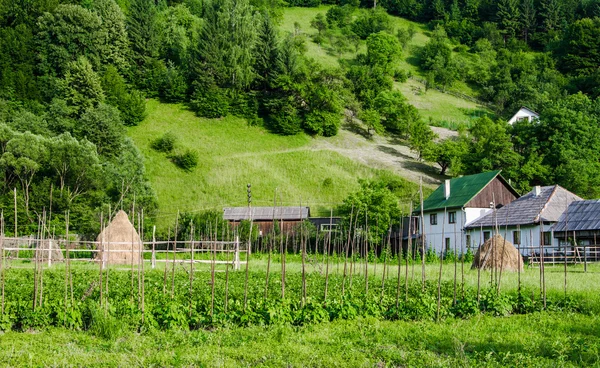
(498, 253)
(119, 243)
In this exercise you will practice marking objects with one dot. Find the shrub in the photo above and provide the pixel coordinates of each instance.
(400, 76)
(133, 108)
(166, 143)
(210, 103)
(187, 160)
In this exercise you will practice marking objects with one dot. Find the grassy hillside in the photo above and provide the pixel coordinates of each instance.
(233, 154)
(444, 109)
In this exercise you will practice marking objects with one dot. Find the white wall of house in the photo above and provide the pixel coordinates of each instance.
(475, 213)
(523, 114)
(529, 242)
(447, 236)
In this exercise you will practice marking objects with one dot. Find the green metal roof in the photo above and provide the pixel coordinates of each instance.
(462, 190)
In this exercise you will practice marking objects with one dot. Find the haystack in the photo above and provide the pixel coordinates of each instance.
(49, 249)
(498, 253)
(119, 243)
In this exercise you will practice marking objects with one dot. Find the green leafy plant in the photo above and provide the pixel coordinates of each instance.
(187, 161)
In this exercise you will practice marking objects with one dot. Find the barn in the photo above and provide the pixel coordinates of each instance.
(264, 217)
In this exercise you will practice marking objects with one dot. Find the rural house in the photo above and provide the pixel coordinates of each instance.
(263, 217)
(524, 114)
(457, 203)
(580, 224)
(523, 221)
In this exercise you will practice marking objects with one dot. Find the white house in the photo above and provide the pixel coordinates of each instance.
(526, 222)
(457, 203)
(524, 114)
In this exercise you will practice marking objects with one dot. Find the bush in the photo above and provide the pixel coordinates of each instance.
(187, 160)
(166, 143)
(400, 76)
(322, 123)
(173, 87)
(133, 108)
(283, 116)
(210, 103)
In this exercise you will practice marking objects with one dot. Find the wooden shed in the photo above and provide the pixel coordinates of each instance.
(264, 217)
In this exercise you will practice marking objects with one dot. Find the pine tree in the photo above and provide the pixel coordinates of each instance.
(227, 41)
(551, 14)
(116, 49)
(509, 17)
(528, 18)
(142, 30)
(267, 53)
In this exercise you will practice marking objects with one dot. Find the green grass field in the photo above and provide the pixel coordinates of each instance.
(443, 109)
(535, 340)
(233, 154)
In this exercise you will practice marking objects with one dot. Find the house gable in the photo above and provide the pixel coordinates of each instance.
(467, 191)
(523, 114)
(497, 191)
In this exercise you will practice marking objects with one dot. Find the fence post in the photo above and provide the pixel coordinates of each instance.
(49, 253)
(236, 262)
(154, 247)
(584, 259)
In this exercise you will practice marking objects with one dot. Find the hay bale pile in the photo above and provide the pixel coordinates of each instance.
(119, 243)
(498, 253)
(49, 249)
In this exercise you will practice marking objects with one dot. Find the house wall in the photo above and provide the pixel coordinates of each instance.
(522, 113)
(435, 235)
(265, 227)
(530, 237)
(473, 214)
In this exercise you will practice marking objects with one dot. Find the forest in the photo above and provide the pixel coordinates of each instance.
(75, 74)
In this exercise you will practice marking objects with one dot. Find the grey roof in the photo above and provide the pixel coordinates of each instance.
(266, 213)
(581, 215)
(548, 206)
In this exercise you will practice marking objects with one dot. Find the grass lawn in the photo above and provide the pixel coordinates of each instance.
(535, 340)
(233, 154)
(444, 109)
(441, 108)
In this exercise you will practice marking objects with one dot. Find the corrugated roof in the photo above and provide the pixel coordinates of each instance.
(266, 213)
(548, 206)
(462, 190)
(580, 215)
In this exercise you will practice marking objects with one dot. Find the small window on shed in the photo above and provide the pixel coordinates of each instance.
(547, 238)
(486, 236)
(517, 237)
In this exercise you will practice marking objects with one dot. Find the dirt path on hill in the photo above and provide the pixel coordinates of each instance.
(384, 153)
(378, 152)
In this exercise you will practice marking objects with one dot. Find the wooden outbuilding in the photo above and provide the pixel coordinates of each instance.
(265, 217)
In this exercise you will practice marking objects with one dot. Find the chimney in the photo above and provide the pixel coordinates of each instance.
(447, 188)
(537, 190)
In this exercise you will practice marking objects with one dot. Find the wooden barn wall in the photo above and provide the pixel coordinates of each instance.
(267, 226)
(495, 190)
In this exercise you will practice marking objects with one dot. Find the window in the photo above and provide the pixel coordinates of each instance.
(433, 219)
(486, 236)
(451, 217)
(447, 245)
(547, 238)
(468, 241)
(517, 237)
(328, 227)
